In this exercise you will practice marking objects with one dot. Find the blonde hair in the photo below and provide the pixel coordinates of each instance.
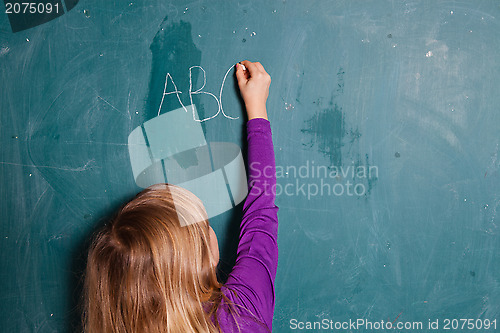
(151, 269)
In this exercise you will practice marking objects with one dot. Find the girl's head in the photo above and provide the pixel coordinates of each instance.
(153, 268)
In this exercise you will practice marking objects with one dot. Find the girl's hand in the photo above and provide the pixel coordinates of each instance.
(254, 88)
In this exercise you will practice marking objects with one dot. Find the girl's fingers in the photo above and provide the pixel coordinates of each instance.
(246, 63)
(260, 67)
(240, 75)
(251, 67)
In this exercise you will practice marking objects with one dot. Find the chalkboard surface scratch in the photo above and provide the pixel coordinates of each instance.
(494, 164)
(435, 126)
(87, 166)
(90, 142)
(4, 50)
(122, 113)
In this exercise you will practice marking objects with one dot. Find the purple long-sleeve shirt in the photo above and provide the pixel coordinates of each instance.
(253, 275)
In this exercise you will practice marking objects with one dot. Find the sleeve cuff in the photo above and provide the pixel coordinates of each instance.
(258, 124)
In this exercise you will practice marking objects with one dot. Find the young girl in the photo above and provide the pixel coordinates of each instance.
(153, 268)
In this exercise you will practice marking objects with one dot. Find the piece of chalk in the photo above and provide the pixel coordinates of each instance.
(243, 66)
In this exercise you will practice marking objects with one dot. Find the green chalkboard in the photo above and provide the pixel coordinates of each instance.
(386, 126)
